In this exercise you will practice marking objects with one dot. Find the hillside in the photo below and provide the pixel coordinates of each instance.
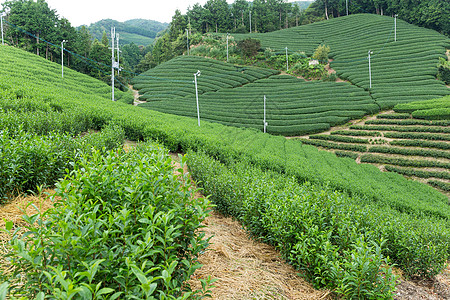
(321, 211)
(138, 31)
(296, 107)
(402, 71)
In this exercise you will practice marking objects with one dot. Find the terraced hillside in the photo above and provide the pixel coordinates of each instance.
(175, 78)
(402, 70)
(23, 84)
(321, 211)
(396, 142)
(293, 106)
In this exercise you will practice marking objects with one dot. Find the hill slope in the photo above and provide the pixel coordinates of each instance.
(402, 71)
(139, 31)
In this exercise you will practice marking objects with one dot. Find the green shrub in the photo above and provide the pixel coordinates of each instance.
(321, 54)
(440, 185)
(249, 47)
(125, 227)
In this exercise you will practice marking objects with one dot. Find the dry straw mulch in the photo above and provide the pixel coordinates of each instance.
(14, 210)
(247, 269)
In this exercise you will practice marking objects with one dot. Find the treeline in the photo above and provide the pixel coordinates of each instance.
(433, 14)
(36, 28)
(243, 16)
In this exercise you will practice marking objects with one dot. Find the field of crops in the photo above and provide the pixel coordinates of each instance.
(435, 109)
(176, 78)
(293, 106)
(415, 148)
(109, 192)
(402, 71)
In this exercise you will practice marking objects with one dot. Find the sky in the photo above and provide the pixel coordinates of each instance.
(85, 12)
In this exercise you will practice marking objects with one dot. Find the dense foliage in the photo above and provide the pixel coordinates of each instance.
(122, 226)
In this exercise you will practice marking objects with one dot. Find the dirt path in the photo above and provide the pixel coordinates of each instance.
(136, 96)
(245, 268)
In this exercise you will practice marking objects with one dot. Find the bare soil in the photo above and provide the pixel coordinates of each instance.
(136, 96)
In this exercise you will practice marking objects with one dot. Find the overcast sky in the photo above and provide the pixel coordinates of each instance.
(85, 12)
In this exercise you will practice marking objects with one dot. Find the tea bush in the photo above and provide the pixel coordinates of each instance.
(125, 227)
(327, 235)
(28, 160)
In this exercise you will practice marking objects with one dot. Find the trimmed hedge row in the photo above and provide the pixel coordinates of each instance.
(413, 136)
(351, 155)
(316, 229)
(337, 138)
(330, 145)
(418, 173)
(408, 122)
(420, 143)
(402, 129)
(440, 185)
(356, 133)
(394, 116)
(411, 152)
(29, 161)
(370, 158)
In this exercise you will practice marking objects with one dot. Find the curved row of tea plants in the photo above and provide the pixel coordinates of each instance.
(176, 77)
(293, 106)
(402, 71)
(436, 109)
(328, 235)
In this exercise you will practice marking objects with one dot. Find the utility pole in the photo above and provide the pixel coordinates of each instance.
(196, 95)
(62, 58)
(113, 62)
(187, 40)
(1, 17)
(370, 71)
(118, 54)
(346, 6)
(287, 60)
(265, 123)
(250, 21)
(395, 27)
(227, 46)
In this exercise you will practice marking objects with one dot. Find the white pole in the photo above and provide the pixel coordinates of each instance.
(250, 21)
(370, 71)
(287, 60)
(187, 40)
(113, 33)
(2, 28)
(395, 26)
(265, 123)
(118, 54)
(196, 95)
(227, 46)
(62, 58)
(346, 6)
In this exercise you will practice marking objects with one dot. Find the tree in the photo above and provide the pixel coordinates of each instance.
(105, 41)
(249, 47)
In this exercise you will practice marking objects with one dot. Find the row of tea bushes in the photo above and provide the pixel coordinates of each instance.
(122, 227)
(28, 161)
(325, 234)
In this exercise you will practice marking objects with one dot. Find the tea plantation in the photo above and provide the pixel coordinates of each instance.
(339, 223)
(293, 106)
(402, 71)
